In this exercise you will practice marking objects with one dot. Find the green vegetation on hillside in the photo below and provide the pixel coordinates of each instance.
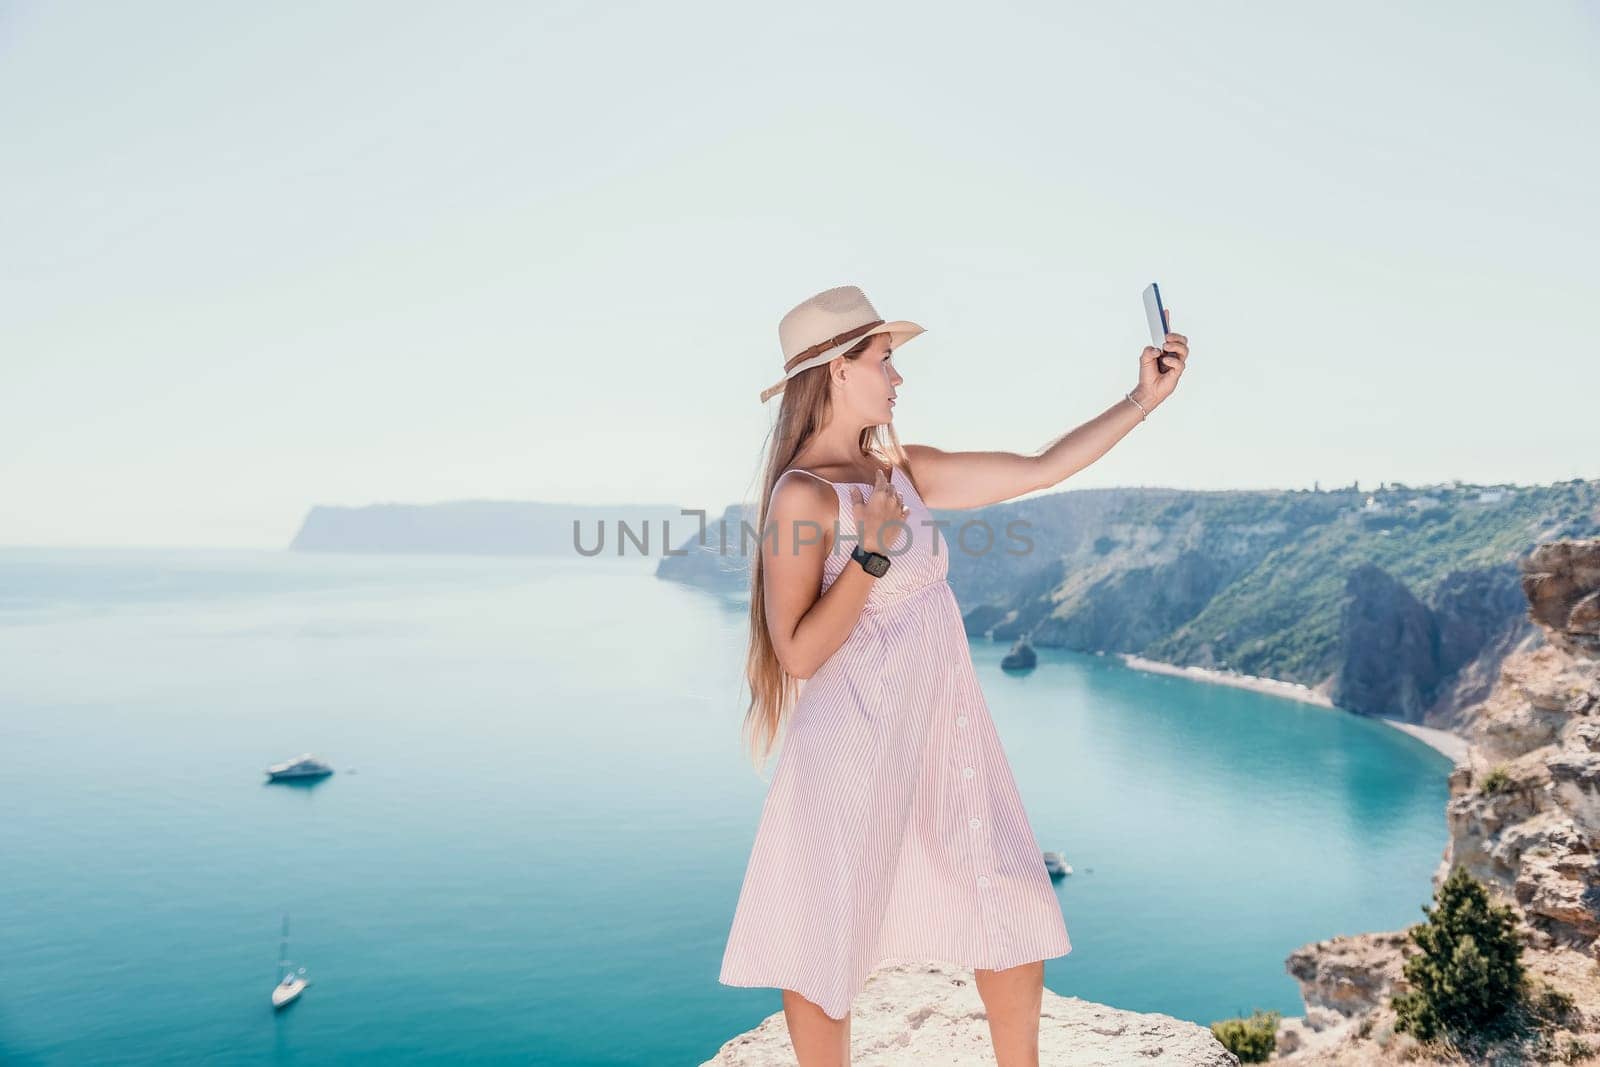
(1281, 619)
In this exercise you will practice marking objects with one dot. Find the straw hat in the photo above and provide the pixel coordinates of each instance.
(827, 324)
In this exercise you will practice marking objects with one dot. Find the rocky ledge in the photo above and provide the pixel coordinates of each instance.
(914, 1014)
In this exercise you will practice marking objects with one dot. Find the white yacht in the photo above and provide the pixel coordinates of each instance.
(293, 982)
(1057, 864)
(304, 766)
(288, 989)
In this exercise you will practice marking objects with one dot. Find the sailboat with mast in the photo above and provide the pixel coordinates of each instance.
(292, 983)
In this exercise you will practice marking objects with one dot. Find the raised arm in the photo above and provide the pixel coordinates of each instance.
(974, 479)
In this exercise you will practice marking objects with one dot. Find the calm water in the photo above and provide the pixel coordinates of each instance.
(534, 845)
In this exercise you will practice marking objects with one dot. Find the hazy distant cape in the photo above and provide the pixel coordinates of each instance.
(489, 527)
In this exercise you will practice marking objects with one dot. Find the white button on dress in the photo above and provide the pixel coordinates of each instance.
(854, 861)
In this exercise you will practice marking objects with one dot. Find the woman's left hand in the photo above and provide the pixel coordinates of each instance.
(1155, 386)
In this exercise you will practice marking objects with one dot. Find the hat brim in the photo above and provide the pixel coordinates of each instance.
(900, 331)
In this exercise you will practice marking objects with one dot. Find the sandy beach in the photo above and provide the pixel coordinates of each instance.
(1441, 740)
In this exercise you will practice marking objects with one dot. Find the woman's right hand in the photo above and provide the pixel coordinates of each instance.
(1156, 384)
(880, 518)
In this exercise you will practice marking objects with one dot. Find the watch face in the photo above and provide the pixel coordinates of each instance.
(874, 563)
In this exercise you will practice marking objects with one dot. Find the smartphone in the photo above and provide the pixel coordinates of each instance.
(1156, 315)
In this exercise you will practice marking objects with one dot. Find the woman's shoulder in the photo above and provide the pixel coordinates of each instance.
(804, 506)
(803, 491)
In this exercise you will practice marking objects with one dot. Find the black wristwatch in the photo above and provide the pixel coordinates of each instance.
(874, 563)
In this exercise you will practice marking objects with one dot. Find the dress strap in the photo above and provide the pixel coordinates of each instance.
(889, 477)
(818, 477)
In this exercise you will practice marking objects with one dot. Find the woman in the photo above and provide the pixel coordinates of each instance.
(893, 830)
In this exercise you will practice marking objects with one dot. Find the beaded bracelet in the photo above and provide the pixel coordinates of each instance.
(1142, 412)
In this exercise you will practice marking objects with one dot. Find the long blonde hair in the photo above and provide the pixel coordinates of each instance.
(802, 412)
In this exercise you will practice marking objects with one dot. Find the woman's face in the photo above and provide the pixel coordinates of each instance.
(871, 382)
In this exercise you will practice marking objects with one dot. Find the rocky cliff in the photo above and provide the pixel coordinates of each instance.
(1523, 817)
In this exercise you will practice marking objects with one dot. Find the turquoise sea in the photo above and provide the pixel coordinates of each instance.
(533, 845)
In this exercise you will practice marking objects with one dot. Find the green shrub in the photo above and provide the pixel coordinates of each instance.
(1253, 1040)
(1468, 974)
(1495, 781)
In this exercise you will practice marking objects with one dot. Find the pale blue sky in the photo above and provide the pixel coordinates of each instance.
(258, 257)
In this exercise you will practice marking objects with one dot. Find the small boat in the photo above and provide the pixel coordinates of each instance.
(1021, 657)
(1057, 864)
(288, 990)
(304, 766)
(293, 982)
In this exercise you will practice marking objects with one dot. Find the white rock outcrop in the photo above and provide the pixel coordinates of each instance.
(922, 1014)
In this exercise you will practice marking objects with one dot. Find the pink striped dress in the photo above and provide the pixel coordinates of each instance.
(892, 830)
